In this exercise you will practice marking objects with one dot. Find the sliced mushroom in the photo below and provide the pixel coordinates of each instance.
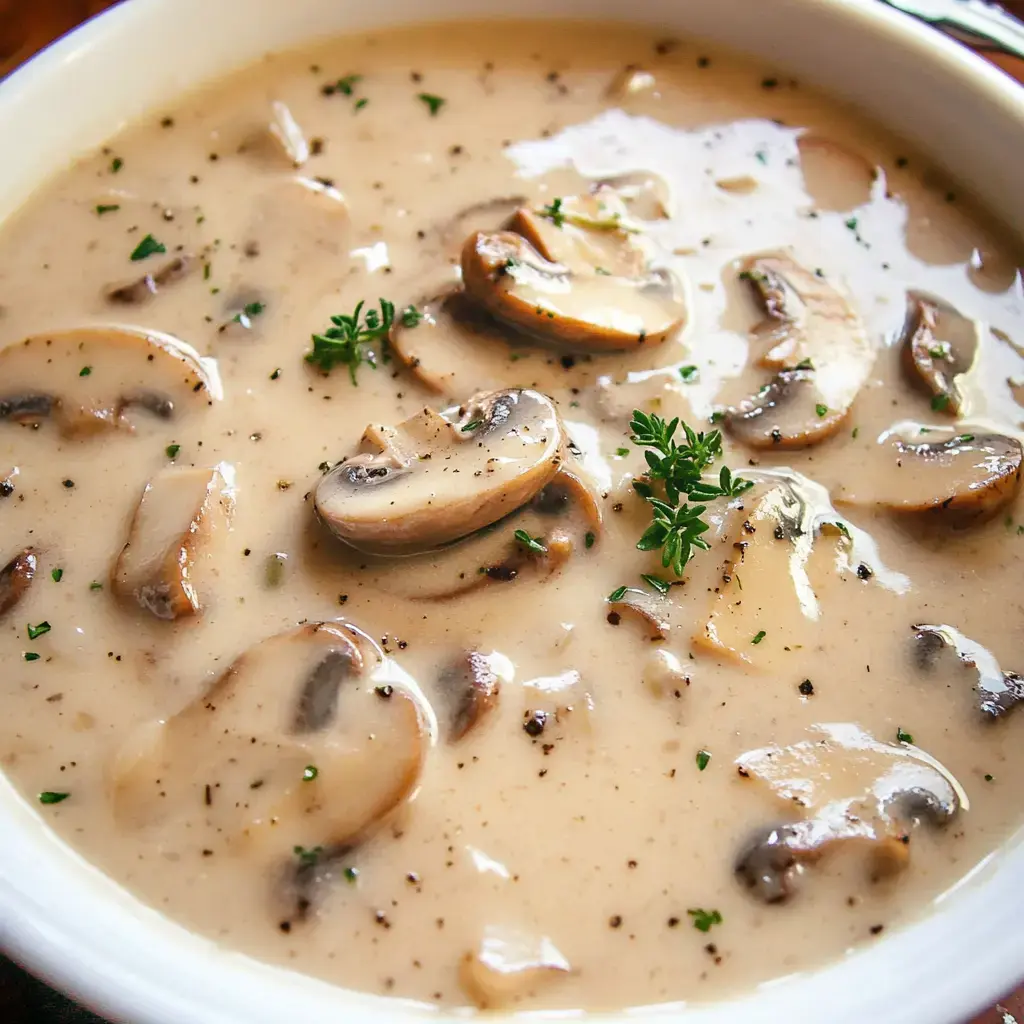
(562, 518)
(817, 342)
(590, 312)
(179, 511)
(835, 177)
(88, 379)
(653, 612)
(998, 692)
(276, 777)
(631, 81)
(852, 789)
(435, 479)
(965, 479)
(487, 215)
(471, 688)
(553, 704)
(508, 966)
(647, 195)
(938, 345)
(16, 577)
(593, 234)
(456, 348)
(144, 288)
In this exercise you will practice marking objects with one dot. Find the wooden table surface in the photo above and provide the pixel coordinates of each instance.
(25, 27)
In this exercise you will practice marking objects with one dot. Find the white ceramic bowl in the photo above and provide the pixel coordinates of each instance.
(78, 930)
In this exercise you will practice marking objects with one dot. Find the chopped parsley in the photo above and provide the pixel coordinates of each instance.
(85, 371)
(351, 875)
(758, 636)
(347, 341)
(347, 84)
(310, 772)
(676, 527)
(855, 432)
(116, 164)
(965, 439)
(49, 797)
(308, 857)
(56, 575)
(851, 224)
(37, 631)
(660, 585)
(588, 539)
(171, 451)
(621, 452)
(149, 246)
(940, 402)
(276, 374)
(434, 103)
(617, 594)
(821, 410)
(360, 103)
(249, 311)
(472, 425)
(689, 374)
(903, 737)
(32, 656)
(532, 544)
(95, 585)
(703, 920)
(703, 759)
(103, 208)
(553, 212)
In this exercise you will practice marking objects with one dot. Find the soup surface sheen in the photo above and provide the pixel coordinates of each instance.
(515, 786)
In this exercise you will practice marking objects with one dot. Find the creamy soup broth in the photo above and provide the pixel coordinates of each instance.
(579, 845)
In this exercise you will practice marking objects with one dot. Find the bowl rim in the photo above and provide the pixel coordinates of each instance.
(162, 974)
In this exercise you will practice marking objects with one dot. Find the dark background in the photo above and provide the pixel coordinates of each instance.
(25, 27)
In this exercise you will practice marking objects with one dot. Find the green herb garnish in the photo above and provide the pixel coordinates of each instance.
(347, 340)
(249, 310)
(588, 540)
(530, 543)
(903, 737)
(347, 84)
(85, 371)
(553, 212)
(308, 857)
(821, 410)
(660, 585)
(32, 656)
(703, 758)
(49, 797)
(758, 636)
(149, 246)
(56, 575)
(116, 164)
(704, 919)
(689, 373)
(617, 594)
(37, 631)
(351, 875)
(434, 103)
(95, 585)
(939, 402)
(622, 452)
(106, 208)
(310, 772)
(676, 528)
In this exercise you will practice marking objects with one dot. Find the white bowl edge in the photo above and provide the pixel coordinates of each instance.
(78, 929)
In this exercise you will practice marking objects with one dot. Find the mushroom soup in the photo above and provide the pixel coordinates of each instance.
(514, 517)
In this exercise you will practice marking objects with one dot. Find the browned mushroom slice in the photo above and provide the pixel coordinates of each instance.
(852, 789)
(817, 342)
(307, 742)
(144, 288)
(88, 379)
(561, 520)
(591, 312)
(456, 348)
(652, 612)
(16, 577)
(432, 480)
(178, 512)
(788, 412)
(965, 479)
(998, 692)
(486, 215)
(470, 687)
(587, 233)
(507, 966)
(938, 345)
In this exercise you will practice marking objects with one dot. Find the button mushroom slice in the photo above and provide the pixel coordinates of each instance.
(485, 215)
(508, 966)
(938, 345)
(172, 527)
(16, 577)
(965, 479)
(590, 234)
(998, 692)
(562, 520)
(652, 612)
(818, 343)
(437, 478)
(89, 379)
(456, 348)
(275, 780)
(588, 312)
(470, 686)
(144, 288)
(852, 790)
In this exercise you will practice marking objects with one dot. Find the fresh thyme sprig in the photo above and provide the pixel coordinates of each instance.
(676, 526)
(349, 338)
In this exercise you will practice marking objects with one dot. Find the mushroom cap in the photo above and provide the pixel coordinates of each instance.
(964, 479)
(437, 478)
(816, 341)
(593, 312)
(851, 788)
(471, 688)
(938, 345)
(16, 577)
(177, 512)
(88, 379)
(321, 695)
